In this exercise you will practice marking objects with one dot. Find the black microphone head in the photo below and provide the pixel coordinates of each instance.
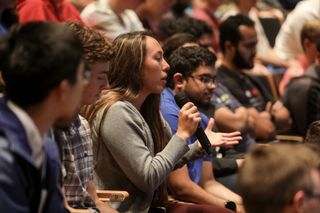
(181, 99)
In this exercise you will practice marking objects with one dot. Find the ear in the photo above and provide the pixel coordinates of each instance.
(62, 90)
(298, 199)
(228, 46)
(179, 82)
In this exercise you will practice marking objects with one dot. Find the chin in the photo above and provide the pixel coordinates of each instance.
(62, 123)
(205, 102)
(160, 89)
(65, 121)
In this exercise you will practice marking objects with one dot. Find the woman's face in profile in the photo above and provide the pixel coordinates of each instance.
(155, 67)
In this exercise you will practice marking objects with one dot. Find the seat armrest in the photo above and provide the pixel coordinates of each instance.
(290, 138)
(171, 199)
(112, 195)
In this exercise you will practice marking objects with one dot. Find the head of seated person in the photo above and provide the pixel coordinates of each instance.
(238, 41)
(280, 178)
(310, 34)
(192, 71)
(45, 61)
(97, 55)
(197, 28)
(178, 40)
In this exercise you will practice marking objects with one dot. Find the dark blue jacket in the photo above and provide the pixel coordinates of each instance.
(21, 184)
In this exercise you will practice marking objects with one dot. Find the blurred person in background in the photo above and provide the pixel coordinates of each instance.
(113, 17)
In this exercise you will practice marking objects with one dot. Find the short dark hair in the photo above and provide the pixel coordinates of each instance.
(175, 41)
(229, 29)
(195, 27)
(35, 58)
(186, 60)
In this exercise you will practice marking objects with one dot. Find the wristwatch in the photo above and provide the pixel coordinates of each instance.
(230, 205)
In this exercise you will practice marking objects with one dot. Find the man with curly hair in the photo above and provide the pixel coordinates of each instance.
(75, 141)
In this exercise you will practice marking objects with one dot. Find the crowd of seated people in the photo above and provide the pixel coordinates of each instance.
(87, 102)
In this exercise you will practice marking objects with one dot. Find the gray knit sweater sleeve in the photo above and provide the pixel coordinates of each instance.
(129, 140)
(194, 153)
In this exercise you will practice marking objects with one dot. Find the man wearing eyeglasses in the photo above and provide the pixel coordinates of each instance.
(281, 178)
(192, 72)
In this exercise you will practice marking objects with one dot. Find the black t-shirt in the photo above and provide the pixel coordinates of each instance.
(247, 89)
(302, 98)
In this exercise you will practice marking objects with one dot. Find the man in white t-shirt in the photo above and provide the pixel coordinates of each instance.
(288, 44)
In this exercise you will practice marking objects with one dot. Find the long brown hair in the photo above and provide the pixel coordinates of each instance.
(125, 84)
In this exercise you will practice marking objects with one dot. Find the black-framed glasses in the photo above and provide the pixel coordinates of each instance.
(87, 73)
(206, 79)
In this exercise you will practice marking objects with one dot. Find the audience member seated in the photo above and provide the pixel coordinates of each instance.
(133, 148)
(178, 40)
(230, 115)
(112, 17)
(302, 97)
(43, 10)
(75, 140)
(226, 165)
(197, 28)
(206, 13)
(309, 34)
(42, 67)
(288, 42)
(265, 53)
(238, 41)
(151, 11)
(192, 72)
(282, 178)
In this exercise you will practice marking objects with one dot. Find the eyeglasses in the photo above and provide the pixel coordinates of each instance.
(312, 194)
(205, 79)
(87, 74)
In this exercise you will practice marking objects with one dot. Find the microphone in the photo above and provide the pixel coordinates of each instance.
(181, 99)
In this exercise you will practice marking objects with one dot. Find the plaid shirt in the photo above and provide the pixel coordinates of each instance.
(77, 157)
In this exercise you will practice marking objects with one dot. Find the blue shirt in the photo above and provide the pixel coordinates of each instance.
(170, 111)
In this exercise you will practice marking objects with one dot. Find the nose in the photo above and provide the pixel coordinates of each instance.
(212, 86)
(104, 84)
(165, 65)
(254, 51)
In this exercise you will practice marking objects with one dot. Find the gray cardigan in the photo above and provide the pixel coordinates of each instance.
(125, 159)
